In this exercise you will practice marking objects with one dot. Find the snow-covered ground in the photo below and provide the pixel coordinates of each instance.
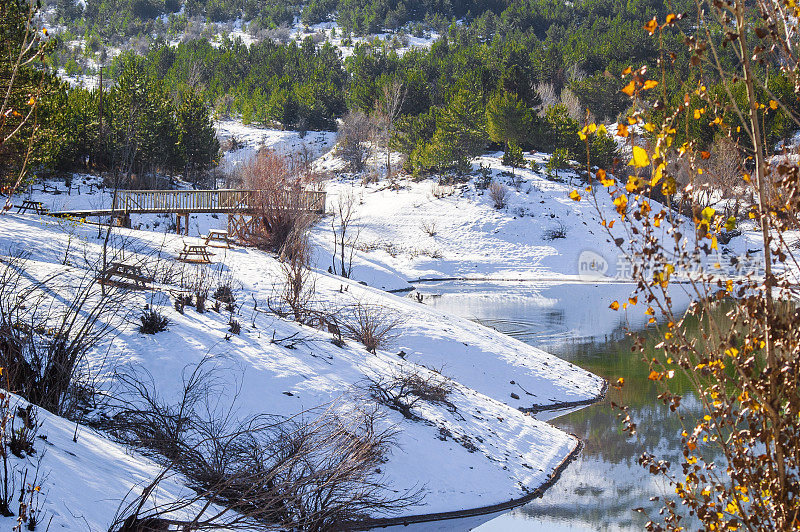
(332, 33)
(482, 451)
(82, 484)
(421, 230)
(286, 142)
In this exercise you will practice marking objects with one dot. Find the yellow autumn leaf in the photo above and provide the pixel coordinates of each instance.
(621, 202)
(649, 84)
(626, 71)
(640, 158)
(670, 18)
(773, 104)
(574, 195)
(614, 305)
(651, 26)
(629, 88)
(657, 174)
(622, 130)
(604, 179)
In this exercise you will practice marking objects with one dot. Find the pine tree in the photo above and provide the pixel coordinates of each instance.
(23, 84)
(198, 142)
(508, 120)
(460, 131)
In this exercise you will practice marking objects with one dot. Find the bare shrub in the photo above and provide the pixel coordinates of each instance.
(355, 132)
(555, 233)
(573, 105)
(428, 227)
(548, 94)
(46, 329)
(315, 472)
(279, 210)
(499, 194)
(371, 325)
(405, 388)
(297, 290)
(152, 322)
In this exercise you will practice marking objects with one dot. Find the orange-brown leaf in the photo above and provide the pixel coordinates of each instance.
(629, 88)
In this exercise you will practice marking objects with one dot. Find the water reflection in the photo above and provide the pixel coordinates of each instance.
(599, 490)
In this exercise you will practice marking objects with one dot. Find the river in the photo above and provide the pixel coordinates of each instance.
(600, 489)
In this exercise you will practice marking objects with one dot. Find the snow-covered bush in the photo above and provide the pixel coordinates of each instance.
(405, 388)
(499, 193)
(315, 472)
(372, 325)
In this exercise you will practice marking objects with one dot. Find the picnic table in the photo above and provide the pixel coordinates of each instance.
(29, 205)
(220, 238)
(195, 253)
(124, 275)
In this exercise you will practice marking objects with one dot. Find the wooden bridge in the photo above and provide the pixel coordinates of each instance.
(182, 203)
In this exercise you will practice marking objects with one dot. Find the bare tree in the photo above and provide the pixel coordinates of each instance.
(549, 97)
(297, 290)
(387, 109)
(280, 213)
(343, 241)
(355, 131)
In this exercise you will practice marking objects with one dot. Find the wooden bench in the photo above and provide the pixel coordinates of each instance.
(197, 253)
(124, 275)
(220, 238)
(29, 205)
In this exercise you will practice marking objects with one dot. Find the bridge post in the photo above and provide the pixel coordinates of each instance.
(185, 230)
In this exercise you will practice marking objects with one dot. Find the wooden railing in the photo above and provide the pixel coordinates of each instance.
(222, 201)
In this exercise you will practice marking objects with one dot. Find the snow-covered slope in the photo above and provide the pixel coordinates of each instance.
(82, 484)
(482, 451)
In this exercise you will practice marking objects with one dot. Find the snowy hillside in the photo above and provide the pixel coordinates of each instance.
(478, 449)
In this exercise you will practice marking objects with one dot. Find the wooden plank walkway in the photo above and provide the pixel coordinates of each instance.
(222, 201)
